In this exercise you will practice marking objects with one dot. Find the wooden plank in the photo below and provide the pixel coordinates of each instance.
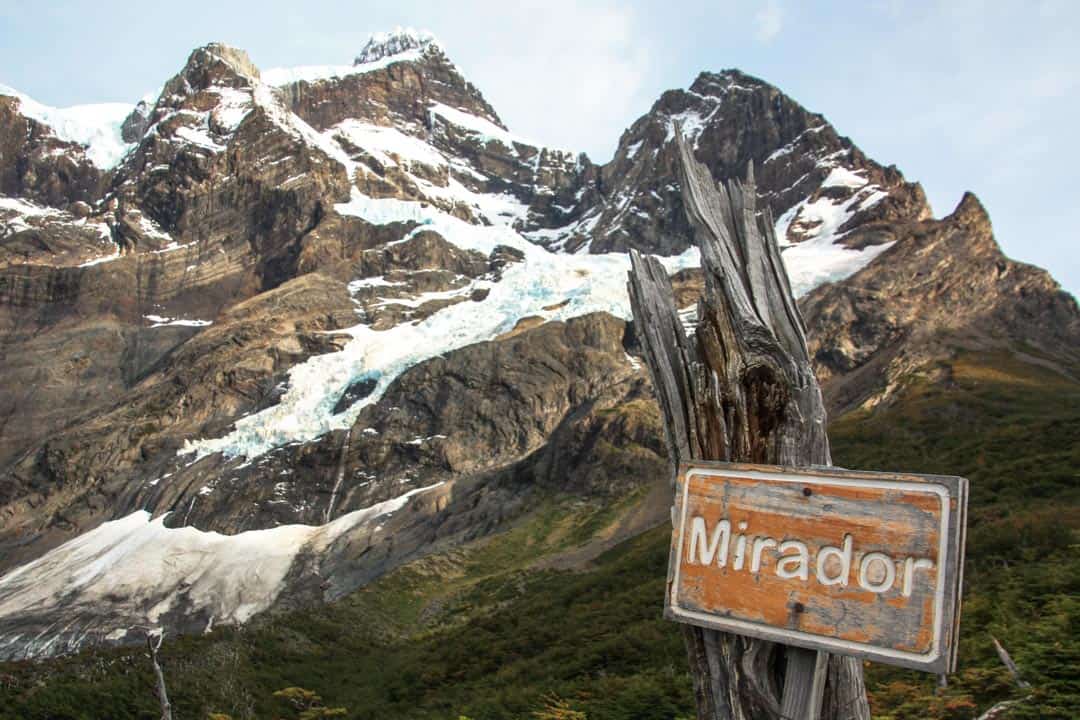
(804, 684)
(856, 563)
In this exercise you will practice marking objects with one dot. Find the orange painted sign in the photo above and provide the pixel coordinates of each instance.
(856, 563)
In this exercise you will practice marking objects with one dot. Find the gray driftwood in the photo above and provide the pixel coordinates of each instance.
(153, 644)
(999, 709)
(741, 389)
(1007, 661)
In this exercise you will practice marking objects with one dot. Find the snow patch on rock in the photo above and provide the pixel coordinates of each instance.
(96, 127)
(14, 213)
(129, 572)
(843, 177)
(388, 145)
(483, 129)
(374, 56)
(160, 321)
(820, 258)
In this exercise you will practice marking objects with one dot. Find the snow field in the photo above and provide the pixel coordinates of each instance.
(133, 570)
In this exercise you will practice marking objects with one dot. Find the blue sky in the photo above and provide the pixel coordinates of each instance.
(959, 95)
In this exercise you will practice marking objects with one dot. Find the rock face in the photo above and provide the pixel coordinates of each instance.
(99, 463)
(486, 427)
(401, 40)
(327, 317)
(948, 287)
(418, 130)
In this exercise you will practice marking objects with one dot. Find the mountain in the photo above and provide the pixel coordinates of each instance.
(826, 194)
(948, 287)
(272, 334)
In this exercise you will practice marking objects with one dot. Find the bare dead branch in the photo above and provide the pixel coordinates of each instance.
(153, 644)
(1007, 661)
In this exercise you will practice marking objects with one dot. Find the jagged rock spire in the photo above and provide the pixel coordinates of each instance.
(386, 44)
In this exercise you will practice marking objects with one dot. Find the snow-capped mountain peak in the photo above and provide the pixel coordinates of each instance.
(324, 267)
(387, 44)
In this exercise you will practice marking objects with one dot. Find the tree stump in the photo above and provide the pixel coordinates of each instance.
(740, 389)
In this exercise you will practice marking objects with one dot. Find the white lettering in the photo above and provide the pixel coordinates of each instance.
(881, 580)
(706, 549)
(740, 548)
(910, 566)
(832, 559)
(802, 560)
(759, 546)
(877, 572)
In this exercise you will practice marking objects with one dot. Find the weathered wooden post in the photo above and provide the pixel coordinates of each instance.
(741, 390)
(153, 644)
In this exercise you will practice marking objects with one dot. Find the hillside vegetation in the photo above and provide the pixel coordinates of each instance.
(494, 630)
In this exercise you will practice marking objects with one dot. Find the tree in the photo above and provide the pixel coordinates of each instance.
(556, 708)
(740, 389)
(307, 704)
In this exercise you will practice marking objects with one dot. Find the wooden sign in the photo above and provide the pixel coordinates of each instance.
(854, 563)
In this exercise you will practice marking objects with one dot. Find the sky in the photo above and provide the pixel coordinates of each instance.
(961, 95)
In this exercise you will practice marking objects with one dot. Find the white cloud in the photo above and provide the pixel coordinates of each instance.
(769, 20)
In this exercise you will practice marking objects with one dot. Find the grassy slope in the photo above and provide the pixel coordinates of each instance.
(481, 632)
(1013, 429)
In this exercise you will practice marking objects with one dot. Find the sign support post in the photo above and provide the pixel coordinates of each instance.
(741, 390)
(779, 567)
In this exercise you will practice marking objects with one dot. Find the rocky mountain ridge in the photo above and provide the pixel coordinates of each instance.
(947, 287)
(348, 298)
(817, 183)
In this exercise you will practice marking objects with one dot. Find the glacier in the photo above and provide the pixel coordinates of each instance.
(547, 284)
